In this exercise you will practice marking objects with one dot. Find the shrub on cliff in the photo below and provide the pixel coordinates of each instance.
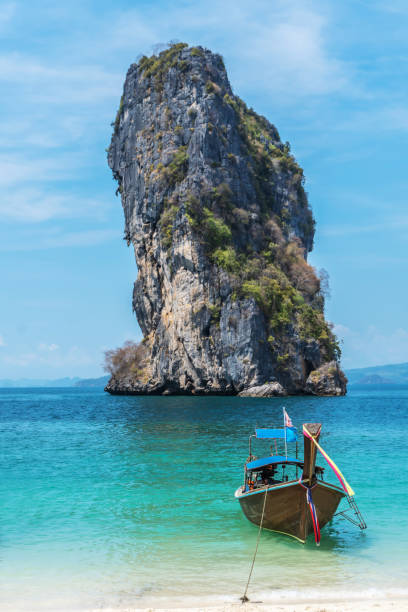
(156, 67)
(176, 171)
(226, 259)
(127, 360)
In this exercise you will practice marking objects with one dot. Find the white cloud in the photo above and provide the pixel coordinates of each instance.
(32, 190)
(24, 132)
(50, 357)
(38, 238)
(395, 223)
(372, 346)
(130, 30)
(58, 83)
(285, 45)
(18, 168)
(2, 342)
(34, 131)
(399, 7)
(290, 53)
(22, 360)
(48, 347)
(60, 100)
(35, 205)
(7, 12)
(82, 238)
(376, 118)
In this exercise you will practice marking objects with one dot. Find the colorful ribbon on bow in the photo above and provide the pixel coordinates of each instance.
(313, 513)
(333, 466)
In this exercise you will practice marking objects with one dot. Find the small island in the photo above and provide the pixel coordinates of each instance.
(216, 211)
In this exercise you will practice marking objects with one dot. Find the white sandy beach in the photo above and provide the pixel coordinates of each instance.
(386, 605)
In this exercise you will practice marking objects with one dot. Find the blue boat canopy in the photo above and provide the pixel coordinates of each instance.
(289, 432)
(260, 463)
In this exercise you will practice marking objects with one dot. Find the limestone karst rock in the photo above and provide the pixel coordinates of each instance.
(219, 220)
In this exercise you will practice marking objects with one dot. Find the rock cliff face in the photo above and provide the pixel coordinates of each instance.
(220, 224)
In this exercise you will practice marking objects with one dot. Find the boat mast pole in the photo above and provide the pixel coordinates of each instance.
(284, 425)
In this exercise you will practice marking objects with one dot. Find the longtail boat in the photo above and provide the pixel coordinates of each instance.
(289, 495)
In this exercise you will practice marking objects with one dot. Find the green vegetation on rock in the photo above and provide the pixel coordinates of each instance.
(211, 87)
(226, 259)
(118, 114)
(167, 219)
(215, 314)
(176, 171)
(158, 66)
(267, 277)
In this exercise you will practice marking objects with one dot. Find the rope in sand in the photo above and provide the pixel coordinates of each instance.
(244, 598)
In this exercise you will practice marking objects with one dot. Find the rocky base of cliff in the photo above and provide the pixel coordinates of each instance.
(127, 387)
(273, 389)
(328, 380)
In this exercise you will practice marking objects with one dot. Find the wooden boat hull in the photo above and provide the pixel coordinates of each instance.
(286, 508)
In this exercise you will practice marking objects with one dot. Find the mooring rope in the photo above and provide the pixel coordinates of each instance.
(244, 598)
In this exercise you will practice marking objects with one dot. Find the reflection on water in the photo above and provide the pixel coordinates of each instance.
(121, 500)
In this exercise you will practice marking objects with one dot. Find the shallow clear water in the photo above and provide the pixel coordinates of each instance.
(129, 501)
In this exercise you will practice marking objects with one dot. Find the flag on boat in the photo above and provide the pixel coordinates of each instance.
(333, 466)
(287, 419)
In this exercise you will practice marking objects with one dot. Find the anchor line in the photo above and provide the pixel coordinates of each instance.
(244, 598)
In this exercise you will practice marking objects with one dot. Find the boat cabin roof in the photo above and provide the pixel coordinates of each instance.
(260, 463)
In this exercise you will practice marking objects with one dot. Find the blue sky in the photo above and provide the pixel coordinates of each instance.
(332, 76)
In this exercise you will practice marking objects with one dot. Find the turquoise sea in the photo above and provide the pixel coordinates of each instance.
(129, 501)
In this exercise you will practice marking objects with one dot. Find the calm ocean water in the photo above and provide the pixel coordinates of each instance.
(129, 501)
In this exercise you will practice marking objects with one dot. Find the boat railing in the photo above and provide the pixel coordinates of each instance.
(262, 486)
